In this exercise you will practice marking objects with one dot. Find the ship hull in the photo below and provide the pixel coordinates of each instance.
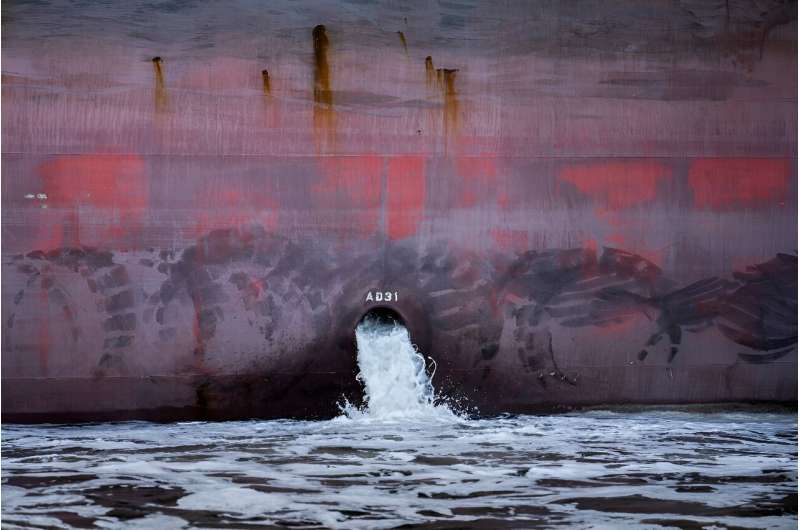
(581, 214)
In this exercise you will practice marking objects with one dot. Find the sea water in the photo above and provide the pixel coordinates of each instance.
(406, 459)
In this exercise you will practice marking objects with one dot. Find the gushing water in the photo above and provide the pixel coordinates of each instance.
(428, 469)
(396, 383)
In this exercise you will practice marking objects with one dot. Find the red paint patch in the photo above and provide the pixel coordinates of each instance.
(104, 181)
(115, 184)
(405, 201)
(478, 179)
(54, 229)
(590, 245)
(727, 184)
(352, 187)
(617, 185)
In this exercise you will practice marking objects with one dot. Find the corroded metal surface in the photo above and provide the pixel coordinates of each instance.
(576, 203)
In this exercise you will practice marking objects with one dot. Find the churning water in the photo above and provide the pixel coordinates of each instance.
(404, 460)
(397, 385)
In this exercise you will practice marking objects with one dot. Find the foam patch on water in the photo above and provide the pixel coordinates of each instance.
(396, 378)
(580, 470)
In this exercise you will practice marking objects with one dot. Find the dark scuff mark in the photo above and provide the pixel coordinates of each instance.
(757, 310)
(765, 358)
(199, 275)
(119, 301)
(557, 371)
(762, 313)
(403, 41)
(125, 322)
(489, 351)
(775, 19)
(116, 277)
(265, 86)
(160, 87)
(201, 395)
(76, 258)
(118, 342)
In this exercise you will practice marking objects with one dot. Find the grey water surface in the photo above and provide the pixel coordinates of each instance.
(598, 469)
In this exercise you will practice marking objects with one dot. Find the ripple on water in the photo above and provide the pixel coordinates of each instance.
(590, 469)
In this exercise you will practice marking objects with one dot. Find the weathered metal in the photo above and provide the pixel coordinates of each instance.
(575, 203)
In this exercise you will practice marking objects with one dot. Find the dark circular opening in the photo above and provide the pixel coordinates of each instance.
(383, 315)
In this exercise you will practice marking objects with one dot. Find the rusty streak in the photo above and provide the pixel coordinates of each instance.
(265, 82)
(323, 96)
(160, 89)
(322, 75)
(403, 40)
(447, 78)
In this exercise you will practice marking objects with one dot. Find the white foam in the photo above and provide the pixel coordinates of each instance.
(396, 382)
(390, 473)
(235, 500)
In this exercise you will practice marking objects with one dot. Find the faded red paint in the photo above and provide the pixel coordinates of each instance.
(617, 185)
(405, 195)
(115, 183)
(613, 187)
(106, 181)
(351, 185)
(233, 208)
(618, 237)
(723, 184)
(478, 176)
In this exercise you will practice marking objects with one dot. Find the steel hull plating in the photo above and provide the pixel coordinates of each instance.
(567, 205)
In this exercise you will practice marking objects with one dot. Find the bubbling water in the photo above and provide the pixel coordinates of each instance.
(397, 385)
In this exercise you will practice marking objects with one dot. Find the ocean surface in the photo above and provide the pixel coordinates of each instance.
(407, 460)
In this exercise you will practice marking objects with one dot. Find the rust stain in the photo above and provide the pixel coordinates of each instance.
(450, 102)
(323, 96)
(265, 82)
(430, 73)
(160, 88)
(403, 40)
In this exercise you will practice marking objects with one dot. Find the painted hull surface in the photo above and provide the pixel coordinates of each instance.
(568, 204)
